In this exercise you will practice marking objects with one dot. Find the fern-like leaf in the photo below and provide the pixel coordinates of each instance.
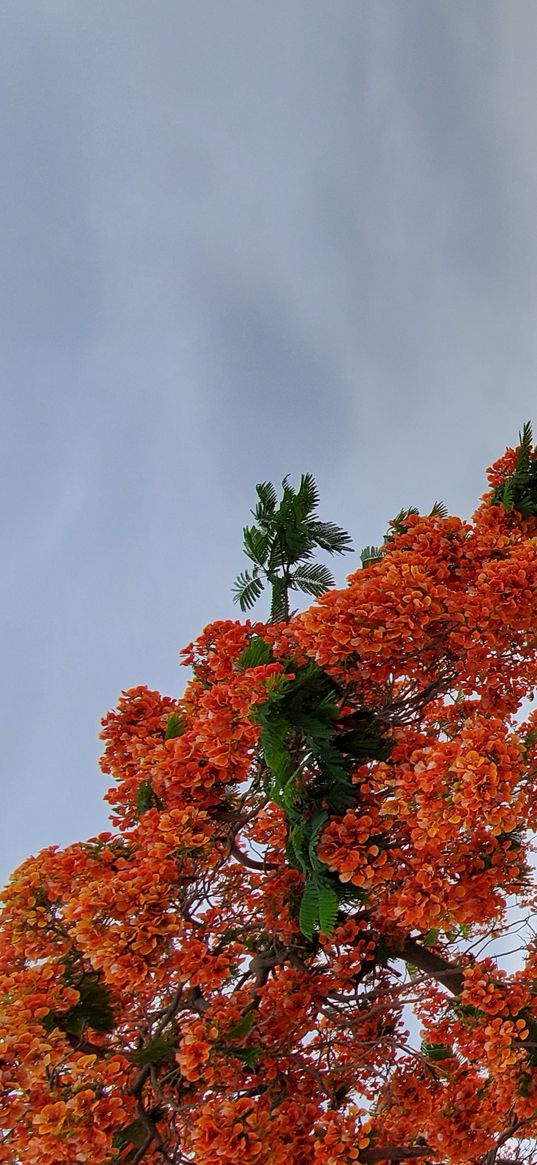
(307, 496)
(257, 652)
(156, 1050)
(266, 506)
(328, 536)
(439, 510)
(247, 589)
(175, 726)
(312, 578)
(256, 545)
(369, 555)
(308, 918)
(328, 908)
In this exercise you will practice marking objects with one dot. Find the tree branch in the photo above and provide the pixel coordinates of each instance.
(451, 976)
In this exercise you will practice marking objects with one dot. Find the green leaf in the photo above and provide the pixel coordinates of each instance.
(439, 510)
(307, 496)
(242, 1027)
(279, 602)
(283, 537)
(93, 1008)
(530, 739)
(431, 937)
(328, 908)
(145, 798)
(525, 445)
(308, 917)
(508, 495)
(156, 1050)
(257, 652)
(398, 524)
(364, 744)
(526, 506)
(267, 501)
(436, 1051)
(256, 545)
(316, 825)
(328, 536)
(175, 726)
(246, 590)
(370, 555)
(249, 1056)
(277, 759)
(296, 847)
(133, 1134)
(312, 578)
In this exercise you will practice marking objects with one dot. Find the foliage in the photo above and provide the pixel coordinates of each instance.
(281, 544)
(328, 829)
(518, 490)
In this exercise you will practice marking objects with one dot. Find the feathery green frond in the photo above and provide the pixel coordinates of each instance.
(328, 908)
(267, 501)
(518, 491)
(282, 543)
(175, 726)
(256, 545)
(246, 590)
(369, 555)
(255, 654)
(308, 916)
(312, 578)
(307, 496)
(327, 536)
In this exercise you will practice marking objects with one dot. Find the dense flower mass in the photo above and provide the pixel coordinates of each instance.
(321, 834)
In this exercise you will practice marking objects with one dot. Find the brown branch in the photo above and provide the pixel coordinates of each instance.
(141, 1077)
(141, 1152)
(250, 863)
(451, 976)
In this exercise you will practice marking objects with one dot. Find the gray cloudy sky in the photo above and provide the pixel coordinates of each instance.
(238, 240)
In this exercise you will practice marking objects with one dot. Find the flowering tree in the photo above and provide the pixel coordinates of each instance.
(323, 833)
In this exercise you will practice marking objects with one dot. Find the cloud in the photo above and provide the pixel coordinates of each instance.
(240, 240)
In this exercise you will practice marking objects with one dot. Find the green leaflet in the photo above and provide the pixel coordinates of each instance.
(312, 578)
(328, 908)
(316, 826)
(519, 490)
(247, 589)
(146, 799)
(93, 1009)
(436, 1051)
(295, 848)
(281, 544)
(154, 1051)
(249, 1056)
(133, 1134)
(308, 917)
(369, 555)
(318, 908)
(257, 652)
(175, 726)
(431, 937)
(310, 761)
(242, 1027)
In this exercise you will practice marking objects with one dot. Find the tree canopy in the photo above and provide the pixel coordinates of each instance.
(281, 952)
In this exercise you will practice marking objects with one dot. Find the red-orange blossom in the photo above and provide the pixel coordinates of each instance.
(160, 1002)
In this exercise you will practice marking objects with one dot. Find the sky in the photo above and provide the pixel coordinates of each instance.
(238, 240)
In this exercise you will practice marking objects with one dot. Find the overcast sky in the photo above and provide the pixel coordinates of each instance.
(239, 239)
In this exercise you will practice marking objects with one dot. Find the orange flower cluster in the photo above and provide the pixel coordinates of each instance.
(163, 1000)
